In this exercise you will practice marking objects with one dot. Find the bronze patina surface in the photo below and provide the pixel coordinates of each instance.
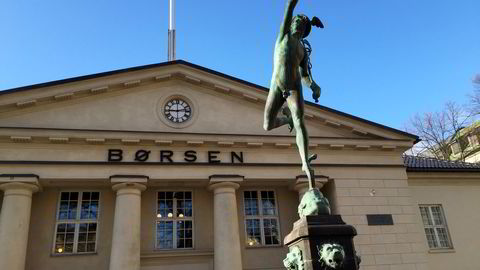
(291, 67)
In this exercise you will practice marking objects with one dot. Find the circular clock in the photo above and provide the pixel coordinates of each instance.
(177, 110)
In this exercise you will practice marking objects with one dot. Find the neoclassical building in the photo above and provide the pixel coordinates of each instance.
(167, 166)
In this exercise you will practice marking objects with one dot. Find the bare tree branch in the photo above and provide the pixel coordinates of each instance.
(444, 134)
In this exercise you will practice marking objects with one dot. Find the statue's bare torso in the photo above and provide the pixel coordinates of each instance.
(288, 55)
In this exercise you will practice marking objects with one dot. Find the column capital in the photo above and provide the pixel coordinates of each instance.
(124, 178)
(124, 184)
(225, 182)
(26, 182)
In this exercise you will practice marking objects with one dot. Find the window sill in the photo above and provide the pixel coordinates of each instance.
(447, 250)
(263, 246)
(176, 253)
(72, 254)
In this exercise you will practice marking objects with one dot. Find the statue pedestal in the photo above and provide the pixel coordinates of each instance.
(312, 233)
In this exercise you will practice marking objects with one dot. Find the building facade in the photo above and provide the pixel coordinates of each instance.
(167, 166)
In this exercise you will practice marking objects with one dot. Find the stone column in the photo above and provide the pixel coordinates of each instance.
(125, 253)
(301, 184)
(227, 249)
(15, 219)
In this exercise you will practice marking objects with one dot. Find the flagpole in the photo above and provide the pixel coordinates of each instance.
(171, 30)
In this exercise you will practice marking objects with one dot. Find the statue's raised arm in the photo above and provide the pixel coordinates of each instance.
(287, 19)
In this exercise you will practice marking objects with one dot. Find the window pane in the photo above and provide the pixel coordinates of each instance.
(427, 220)
(65, 196)
(63, 205)
(71, 227)
(250, 203)
(443, 237)
(268, 203)
(437, 215)
(82, 247)
(68, 248)
(253, 232)
(165, 234)
(72, 210)
(432, 243)
(270, 231)
(95, 196)
(82, 237)
(86, 196)
(91, 247)
(73, 196)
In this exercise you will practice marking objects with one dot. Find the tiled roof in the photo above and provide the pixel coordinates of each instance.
(423, 164)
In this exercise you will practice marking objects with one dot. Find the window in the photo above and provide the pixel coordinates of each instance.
(77, 220)
(435, 226)
(456, 148)
(473, 140)
(261, 218)
(174, 220)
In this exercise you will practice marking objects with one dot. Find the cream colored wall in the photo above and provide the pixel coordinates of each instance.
(397, 246)
(40, 254)
(460, 199)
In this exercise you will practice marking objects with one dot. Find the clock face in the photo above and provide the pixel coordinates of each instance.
(177, 110)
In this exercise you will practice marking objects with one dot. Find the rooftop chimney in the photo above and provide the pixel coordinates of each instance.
(171, 30)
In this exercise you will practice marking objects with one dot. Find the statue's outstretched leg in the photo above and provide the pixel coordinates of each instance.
(295, 105)
(311, 172)
(273, 105)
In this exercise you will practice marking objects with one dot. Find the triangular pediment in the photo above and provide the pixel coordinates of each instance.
(135, 100)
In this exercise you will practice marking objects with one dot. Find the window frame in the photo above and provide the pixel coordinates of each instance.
(261, 217)
(77, 222)
(435, 226)
(174, 220)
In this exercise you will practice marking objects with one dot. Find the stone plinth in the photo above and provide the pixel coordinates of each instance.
(310, 233)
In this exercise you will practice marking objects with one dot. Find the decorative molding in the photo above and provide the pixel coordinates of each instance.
(309, 116)
(193, 79)
(332, 124)
(163, 142)
(63, 96)
(222, 89)
(195, 143)
(337, 146)
(21, 139)
(163, 77)
(250, 98)
(132, 83)
(388, 147)
(359, 132)
(283, 145)
(254, 144)
(362, 147)
(26, 103)
(225, 144)
(98, 90)
(95, 140)
(58, 139)
(130, 141)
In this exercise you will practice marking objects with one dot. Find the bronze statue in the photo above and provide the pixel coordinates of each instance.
(292, 65)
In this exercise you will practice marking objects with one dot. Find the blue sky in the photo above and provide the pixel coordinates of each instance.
(379, 60)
